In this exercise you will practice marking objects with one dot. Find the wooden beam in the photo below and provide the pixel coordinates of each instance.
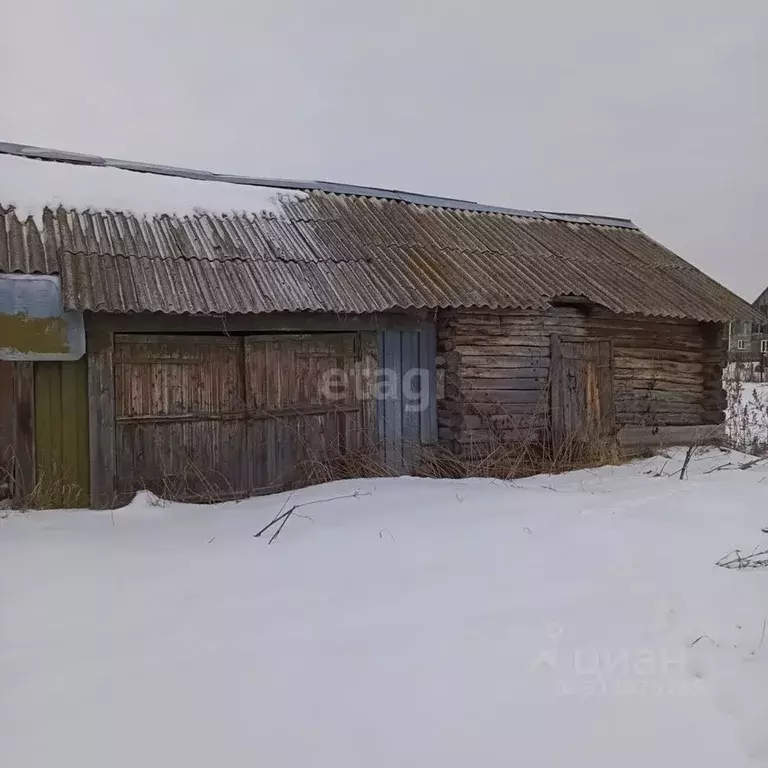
(101, 418)
(555, 392)
(24, 429)
(658, 437)
(253, 323)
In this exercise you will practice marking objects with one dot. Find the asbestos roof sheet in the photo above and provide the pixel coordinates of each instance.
(352, 251)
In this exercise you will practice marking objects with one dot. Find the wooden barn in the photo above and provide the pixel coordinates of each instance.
(205, 335)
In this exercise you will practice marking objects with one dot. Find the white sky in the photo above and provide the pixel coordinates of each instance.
(31, 185)
(652, 109)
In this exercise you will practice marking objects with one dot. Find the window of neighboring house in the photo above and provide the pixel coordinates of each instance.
(764, 345)
(741, 344)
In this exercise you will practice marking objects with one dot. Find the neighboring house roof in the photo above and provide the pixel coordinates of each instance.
(318, 246)
(761, 302)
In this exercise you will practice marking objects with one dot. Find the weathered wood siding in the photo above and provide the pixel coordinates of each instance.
(179, 415)
(658, 368)
(307, 401)
(7, 411)
(205, 417)
(17, 430)
(280, 404)
(44, 457)
(62, 471)
(496, 371)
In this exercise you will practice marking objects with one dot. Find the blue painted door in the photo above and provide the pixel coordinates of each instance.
(406, 396)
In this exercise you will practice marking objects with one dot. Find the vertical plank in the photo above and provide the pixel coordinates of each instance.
(605, 387)
(61, 449)
(556, 391)
(68, 399)
(44, 427)
(393, 405)
(55, 434)
(381, 405)
(83, 457)
(101, 418)
(367, 365)
(427, 362)
(410, 399)
(7, 409)
(24, 428)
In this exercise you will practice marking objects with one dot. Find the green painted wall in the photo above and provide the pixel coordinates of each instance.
(61, 434)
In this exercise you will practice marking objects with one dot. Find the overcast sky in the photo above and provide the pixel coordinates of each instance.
(656, 110)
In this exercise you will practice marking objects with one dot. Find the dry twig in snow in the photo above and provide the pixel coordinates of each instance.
(282, 517)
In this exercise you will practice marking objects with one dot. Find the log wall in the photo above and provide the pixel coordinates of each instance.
(494, 366)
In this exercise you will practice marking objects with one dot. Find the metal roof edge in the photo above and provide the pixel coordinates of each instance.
(76, 158)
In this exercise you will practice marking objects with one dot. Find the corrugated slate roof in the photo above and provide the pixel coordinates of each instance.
(340, 249)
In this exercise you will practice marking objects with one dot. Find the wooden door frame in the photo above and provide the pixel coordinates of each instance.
(556, 378)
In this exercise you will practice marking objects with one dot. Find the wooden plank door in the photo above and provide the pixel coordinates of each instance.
(180, 416)
(62, 459)
(581, 389)
(407, 402)
(306, 404)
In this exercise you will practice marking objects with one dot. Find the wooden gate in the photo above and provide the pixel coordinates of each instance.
(307, 400)
(208, 417)
(180, 416)
(581, 390)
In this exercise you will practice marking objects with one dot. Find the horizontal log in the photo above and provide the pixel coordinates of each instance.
(491, 357)
(646, 437)
(659, 407)
(480, 437)
(519, 368)
(653, 345)
(477, 407)
(678, 417)
(634, 384)
(505, 344)
(503, 396)
(656, 396)
(474, 384)
(649, 379)
(517, 329)
(504, 421)
(652, 352)
(645, 326)
(660, 420)
(657, 366)
(666, 413)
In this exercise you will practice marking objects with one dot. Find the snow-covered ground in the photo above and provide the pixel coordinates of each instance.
(576, 620)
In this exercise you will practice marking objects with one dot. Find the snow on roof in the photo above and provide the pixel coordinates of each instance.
(31, 185)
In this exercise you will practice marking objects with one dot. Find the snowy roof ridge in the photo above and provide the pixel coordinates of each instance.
(297, 186)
